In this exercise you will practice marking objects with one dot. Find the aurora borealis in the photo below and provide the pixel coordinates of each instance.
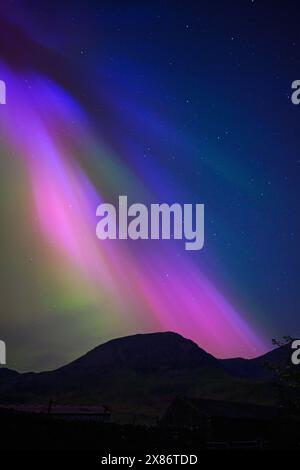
(163, 106)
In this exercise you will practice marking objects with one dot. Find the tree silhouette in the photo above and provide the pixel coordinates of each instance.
(287, 380)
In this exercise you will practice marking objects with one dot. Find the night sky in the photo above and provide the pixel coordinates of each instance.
(163, 101)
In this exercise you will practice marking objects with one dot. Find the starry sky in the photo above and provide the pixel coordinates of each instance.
(163, 101)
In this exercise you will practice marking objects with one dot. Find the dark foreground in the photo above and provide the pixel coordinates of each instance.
(24, 431)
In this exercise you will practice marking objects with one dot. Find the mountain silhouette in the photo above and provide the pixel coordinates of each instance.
(260, 367)
(145, 353)
(143, 373)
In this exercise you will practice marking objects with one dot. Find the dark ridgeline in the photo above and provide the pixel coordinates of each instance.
(159, 379)
(145, 371)
(129, 370)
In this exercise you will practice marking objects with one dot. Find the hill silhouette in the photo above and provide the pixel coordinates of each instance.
(142, 374)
